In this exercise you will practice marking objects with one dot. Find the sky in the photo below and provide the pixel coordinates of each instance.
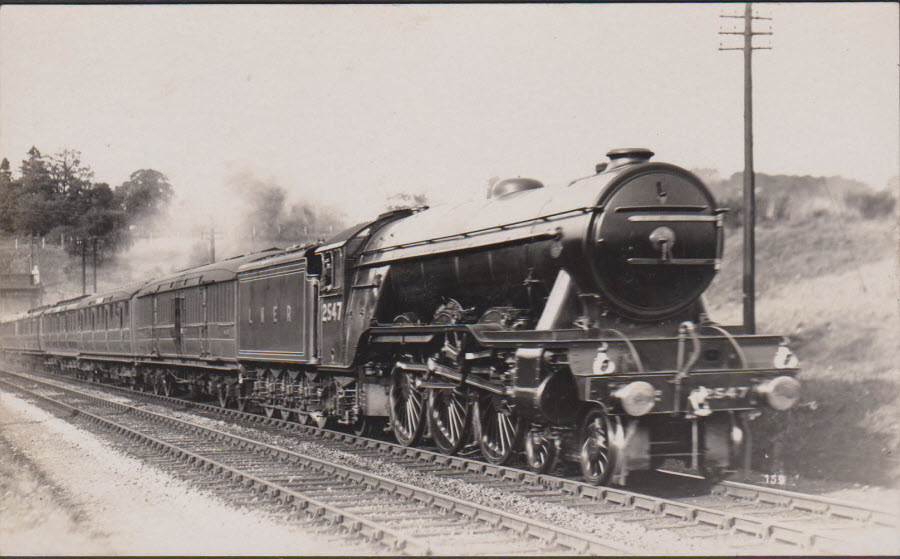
(347, 105)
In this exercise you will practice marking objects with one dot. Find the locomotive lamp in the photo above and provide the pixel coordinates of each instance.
(637, 398)
(781, 393)
(785, 358)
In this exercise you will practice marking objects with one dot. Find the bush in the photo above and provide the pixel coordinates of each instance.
(871, 205)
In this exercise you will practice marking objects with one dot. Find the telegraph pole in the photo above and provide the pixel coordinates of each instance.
(94, 240)
(749, 175)
(83, 267)
(212, 242)
(210, 235)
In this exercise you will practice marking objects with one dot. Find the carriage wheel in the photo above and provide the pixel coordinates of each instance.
(167, 386)
(540, 452)
(285, 413)
(222, 394)
(449, 419)
(407, 409)
(242, 394)
(497, 429)
(598, 455)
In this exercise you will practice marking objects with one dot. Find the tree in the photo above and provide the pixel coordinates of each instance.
(36, 214)
(71, 178)
(145, 194)
(7, 197)
(36, 175)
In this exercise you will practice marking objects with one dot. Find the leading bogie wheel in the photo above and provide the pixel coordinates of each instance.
(369, 426)
(497, 428)
(407, 409)
(541, 452)
(449, 418)
(598, 454)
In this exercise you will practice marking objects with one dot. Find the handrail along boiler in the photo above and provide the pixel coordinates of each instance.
(563, 323)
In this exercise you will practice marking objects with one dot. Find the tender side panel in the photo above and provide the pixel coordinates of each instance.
(274, 318)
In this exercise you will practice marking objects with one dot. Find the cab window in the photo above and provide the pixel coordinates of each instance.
(332, 271)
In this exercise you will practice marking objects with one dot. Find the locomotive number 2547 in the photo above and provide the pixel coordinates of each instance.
(331, 311)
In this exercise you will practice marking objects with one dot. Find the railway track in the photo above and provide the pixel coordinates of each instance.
(732, 515)
(401, 517)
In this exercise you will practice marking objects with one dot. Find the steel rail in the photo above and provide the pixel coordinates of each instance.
(721, 519)
(826, 506)
(522, 526)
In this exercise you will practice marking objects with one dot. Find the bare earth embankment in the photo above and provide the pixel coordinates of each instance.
(831, 285)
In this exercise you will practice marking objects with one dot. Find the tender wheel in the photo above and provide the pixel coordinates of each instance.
(407, 409)
(449, 419)
(598, 455)
(274, 391)
(497, 429)
(540, 452)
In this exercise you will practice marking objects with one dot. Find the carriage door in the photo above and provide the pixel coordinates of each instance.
(331, 308)
(177, 306)
(204, 322)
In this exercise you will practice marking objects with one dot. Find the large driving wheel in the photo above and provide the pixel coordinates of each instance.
(407, 409)
(497, 428)
(598, 455)
(449, 419)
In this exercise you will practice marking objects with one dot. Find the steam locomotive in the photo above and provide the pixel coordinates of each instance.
(561, 323)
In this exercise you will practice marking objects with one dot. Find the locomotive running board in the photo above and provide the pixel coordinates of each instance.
(494, 335)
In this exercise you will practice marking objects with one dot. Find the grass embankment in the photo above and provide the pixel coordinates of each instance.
(831, 285)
